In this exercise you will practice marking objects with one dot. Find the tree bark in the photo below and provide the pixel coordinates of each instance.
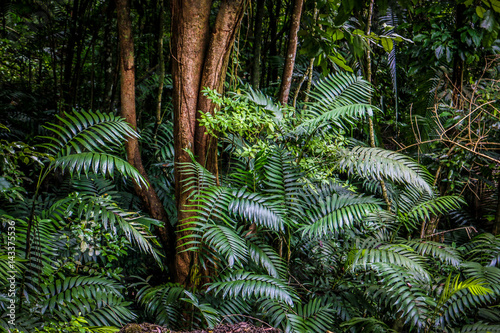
(496, 224)
(458, 63)
(370, 119)
(286, 80)
(257, 47)
(127, 94)
(199, 60)
(161, 63)
(214, 73)
(190, 34)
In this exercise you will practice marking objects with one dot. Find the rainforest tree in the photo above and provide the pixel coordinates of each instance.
(313, 165)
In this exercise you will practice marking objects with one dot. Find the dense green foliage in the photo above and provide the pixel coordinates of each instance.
(307, 225)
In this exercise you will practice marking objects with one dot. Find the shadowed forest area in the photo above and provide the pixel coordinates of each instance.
(249, 166)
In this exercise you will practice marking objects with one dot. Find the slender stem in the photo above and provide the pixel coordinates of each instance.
(369, 79)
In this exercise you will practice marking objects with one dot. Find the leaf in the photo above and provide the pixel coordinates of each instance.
(387, 43)
(248, 284)
(480, 11)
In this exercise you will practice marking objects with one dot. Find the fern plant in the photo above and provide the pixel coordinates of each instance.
(56, 235)
(309, 253)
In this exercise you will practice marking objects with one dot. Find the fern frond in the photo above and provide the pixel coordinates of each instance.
(162, 302)
(485, 248)
(440, 251)
(254, 208)
(87, 131)
(395, 254)
(377, 163)
(369, 325)
(341, 89)
(211, 316)
(436, 206)
(337, 213)
(265, 256)
(247, 284)
(95, 162)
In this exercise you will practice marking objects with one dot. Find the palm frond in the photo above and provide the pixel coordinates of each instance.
(87, 131)
(255, 208)
(337, 213)
(485, 249)
(95, 162)
(341, 89)
(401, 293)
(440, 205)
(369, 324)
(395, 254)
(337, 115)
(314, 316)
(445, 253)
(97, 299)
(105, 211)
(265, 256)
(162, 302)
(380, 164)
(211, 315)
(248, 284)
(282, 182)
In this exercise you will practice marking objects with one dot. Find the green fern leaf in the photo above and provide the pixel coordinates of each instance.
(247, 284)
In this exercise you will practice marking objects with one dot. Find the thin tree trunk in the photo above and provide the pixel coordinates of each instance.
(190, 34)
(370, 119)
(127, 94)
(311, 61)
(496, 225)
(458, 63)
(273, 48)
(161, 62)
(69, 55)
(257, 48)
(286, 80)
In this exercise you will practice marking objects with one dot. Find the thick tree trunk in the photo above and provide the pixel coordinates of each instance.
(197, 63)
(257, 47)
(286, 80)
(190, 34)
(127, 82)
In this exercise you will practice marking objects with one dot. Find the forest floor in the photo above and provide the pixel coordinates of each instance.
(228, 328)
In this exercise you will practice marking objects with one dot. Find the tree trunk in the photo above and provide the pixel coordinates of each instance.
(190, 34)
(199, 60)
(257, 47)
(286, 80)
(458, 63)
(161, 63)
(273, 45)
(496, 223)
(214, 73)
(370, 119)
(127, 94)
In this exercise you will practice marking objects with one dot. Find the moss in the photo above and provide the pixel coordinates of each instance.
(132, 328)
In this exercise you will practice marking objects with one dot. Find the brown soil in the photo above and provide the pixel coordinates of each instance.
(229, 328)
